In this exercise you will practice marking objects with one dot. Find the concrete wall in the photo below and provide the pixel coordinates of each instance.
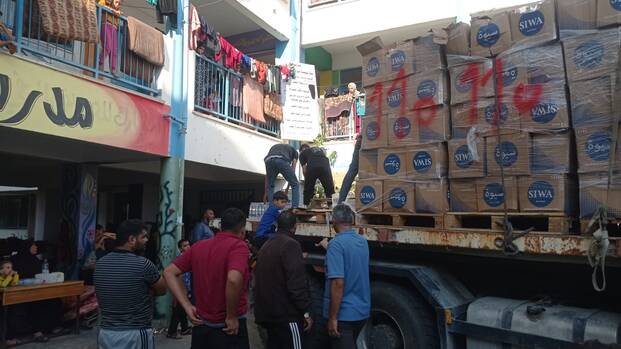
(272, 15)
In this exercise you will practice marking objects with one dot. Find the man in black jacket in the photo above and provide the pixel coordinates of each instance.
(315, 165)
(282, 297)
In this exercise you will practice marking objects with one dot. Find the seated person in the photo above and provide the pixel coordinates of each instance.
(34, 318)
(267, 226)
(8, 276)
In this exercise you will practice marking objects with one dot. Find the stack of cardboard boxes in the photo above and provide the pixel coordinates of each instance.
(530, 116)
(403, 162)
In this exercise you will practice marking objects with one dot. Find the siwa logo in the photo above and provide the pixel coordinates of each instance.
(397, 198)
(394, 98)
(426, 89)
(397, 60)
(392, 164)
(531, 23)
(372, 131)
(422, 161)
(544, 112)
(540, 193)
(402, 127)
(589, 54)
(373, 67)
(367, 195)
(490, 114)
(463, 84)
(463, 157)
(488, 35)
(506, 154)
(598, 146)
(616, 4)
(509, 76)
(494, 194)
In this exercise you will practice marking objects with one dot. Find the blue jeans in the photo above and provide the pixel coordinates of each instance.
(275, 166)
(352, 172)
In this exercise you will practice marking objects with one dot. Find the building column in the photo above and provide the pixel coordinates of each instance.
(79, 215)
(172, 168)
(290, 51)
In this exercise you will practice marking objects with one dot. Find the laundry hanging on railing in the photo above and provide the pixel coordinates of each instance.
(65, 20)
(253, 99)
(272, 106)
(145, 41)
(335, 106)
(167, 8)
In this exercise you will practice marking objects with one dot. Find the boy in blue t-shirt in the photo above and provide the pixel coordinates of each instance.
(267, 226)
(178, 314)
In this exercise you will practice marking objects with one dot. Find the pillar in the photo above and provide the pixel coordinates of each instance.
(172, 168)
(79, 214)
(290, 51)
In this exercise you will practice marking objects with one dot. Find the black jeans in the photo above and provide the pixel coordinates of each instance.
(205, 337)
(349, 331)
(177, 317)
(324, 174)
(286, 335)
(352, 172)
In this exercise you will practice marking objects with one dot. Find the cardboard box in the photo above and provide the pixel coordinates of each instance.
(608, 12)
(368, 196)
(367, 164)
(401, 130)
(432, 196)
(429, 52)
(592, 102)
(399, 60)
(591, 55)
(373, 67)
(512, 153)
(392, 163)
(458, 39)
(594, 193)
(544, 64)
(428, 89)
(464, 161)
(427, 161)
(534, 23)
(577, 14)
(432, 125)
(374, 132)
(593, 145)
(548, 193)
(553, 153)
(551, 112)
(398, 196)
(463, 195)
(468, 72)
(491, 194)
(490, 33)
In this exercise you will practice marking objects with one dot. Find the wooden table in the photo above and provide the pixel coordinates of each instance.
(26, 294)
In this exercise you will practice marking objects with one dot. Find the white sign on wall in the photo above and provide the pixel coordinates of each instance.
(301, 108)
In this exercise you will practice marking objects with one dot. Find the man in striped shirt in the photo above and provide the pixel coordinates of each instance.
(125, 284)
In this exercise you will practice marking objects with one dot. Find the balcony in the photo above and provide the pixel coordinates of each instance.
(218, 92)
(81, 57)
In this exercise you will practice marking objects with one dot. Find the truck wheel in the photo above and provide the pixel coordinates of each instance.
(318, 337)
(400, 319)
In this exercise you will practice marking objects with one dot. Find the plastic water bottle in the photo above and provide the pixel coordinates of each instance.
(46, 267)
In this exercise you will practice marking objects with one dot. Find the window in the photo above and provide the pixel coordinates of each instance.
(14, 211)
(314, 3)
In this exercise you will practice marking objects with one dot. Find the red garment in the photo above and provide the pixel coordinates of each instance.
(210, 261)
(261, 71)
(284, 71)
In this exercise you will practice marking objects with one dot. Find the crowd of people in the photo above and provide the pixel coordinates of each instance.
(212, 278)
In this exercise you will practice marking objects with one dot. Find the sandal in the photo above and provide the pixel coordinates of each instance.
(173, 336)
(186, 332)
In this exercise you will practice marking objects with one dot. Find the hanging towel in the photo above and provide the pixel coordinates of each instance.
(67, 20)
(195, 28)
(253, 68)
(261, 71)
(146, 41)
(253, 99)
(335, 106)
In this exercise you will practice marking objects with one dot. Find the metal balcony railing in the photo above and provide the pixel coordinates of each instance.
(218, 91)
(131, 71)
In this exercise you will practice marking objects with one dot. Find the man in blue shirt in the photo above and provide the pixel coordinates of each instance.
(347, 296)
(267, 226)
(202, 231)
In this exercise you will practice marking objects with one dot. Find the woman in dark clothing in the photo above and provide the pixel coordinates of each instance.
(33, 318)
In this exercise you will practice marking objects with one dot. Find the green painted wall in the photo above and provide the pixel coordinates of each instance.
(320, 58)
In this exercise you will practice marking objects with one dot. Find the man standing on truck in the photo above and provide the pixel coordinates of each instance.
(352, 171)
(315, 165)
(347, 296)
(282, 158)
(220, 275)
(282, 296)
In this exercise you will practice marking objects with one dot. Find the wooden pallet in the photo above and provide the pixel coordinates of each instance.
(315, 215)
(420, 220)
(552, 222)
(613, 227)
